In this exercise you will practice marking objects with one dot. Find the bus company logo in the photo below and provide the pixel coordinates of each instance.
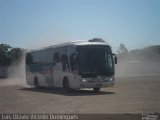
(150, 116)
(47, 70)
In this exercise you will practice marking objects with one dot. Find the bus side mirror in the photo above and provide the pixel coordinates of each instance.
(115, 58)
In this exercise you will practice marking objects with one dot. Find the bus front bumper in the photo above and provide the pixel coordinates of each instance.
(94, 83)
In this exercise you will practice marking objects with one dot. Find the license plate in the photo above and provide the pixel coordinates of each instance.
(98, 85)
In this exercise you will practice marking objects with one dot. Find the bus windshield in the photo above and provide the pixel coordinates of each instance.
(95, 61)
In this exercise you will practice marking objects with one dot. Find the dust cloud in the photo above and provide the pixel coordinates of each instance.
(139, 62)
(16, 74)
(137, 68)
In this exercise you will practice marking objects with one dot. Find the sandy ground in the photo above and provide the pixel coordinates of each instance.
(129, 95)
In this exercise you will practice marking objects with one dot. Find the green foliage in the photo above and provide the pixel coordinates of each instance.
(9, 55)
(16, 54)
(5, 56)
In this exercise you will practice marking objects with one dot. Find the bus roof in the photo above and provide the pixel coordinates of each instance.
(79, 43)
(74, 43)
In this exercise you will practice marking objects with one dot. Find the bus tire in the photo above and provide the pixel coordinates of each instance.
(66, 85)
(96, 89)
(36, 83)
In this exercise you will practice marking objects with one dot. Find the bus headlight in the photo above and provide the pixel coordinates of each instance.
(84, 80)
(111, 79)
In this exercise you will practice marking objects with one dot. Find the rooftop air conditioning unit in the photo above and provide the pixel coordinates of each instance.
(97, 40)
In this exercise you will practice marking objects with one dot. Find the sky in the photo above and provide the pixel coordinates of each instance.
(38, 23)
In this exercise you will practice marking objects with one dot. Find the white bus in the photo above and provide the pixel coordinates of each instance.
(74, 65)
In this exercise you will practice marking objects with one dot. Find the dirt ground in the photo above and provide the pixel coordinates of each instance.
(139, 94)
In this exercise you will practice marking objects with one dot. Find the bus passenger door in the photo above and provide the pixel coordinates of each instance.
(57, 74)
(48, 72)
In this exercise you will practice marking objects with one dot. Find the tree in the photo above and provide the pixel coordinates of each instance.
(9, 55)
(16, 54)
(122, 49)
(150, 53)
(5, 56)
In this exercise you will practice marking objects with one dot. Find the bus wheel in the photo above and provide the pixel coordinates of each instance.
(96, 89)
(66, 84)
(36, 83)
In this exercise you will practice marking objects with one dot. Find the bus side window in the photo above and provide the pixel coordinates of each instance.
(73, 61)
(64, 60)
(56, 57)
